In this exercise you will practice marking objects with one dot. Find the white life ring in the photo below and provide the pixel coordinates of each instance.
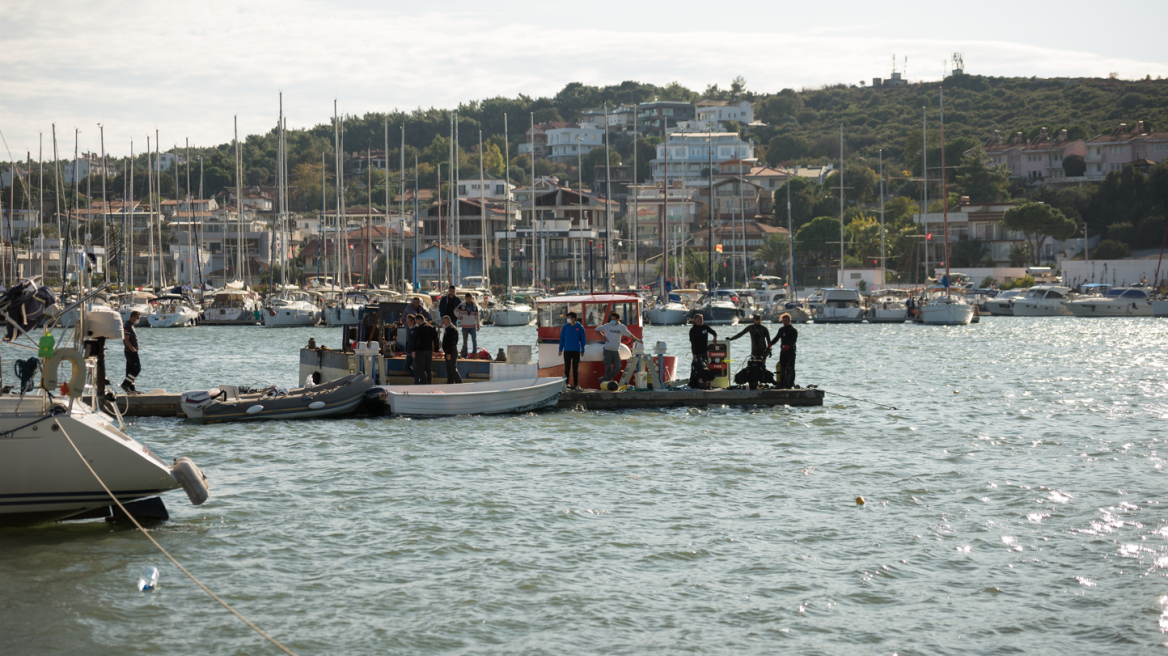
(76, 380)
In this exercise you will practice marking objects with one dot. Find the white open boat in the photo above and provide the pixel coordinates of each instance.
(498, 397)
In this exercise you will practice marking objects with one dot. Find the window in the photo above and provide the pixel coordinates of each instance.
(499, 189)
(461, 189)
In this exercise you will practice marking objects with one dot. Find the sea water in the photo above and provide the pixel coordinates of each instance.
(1015, 503)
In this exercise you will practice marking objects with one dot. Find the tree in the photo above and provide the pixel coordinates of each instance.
(969, 253)
(788, 148)
(594, 158)
(1037, 222)
(492, 159)
(982, 183)
(806, 195)
(815, 238)
(1109, 249)
(773, 253)
(860, 183)
(864, 234)
(1074, 166)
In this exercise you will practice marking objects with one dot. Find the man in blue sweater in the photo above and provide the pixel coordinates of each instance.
(571, 347)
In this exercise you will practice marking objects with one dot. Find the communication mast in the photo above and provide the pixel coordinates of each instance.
(958, 64)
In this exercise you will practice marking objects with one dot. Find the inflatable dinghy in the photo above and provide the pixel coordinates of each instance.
(227, 403)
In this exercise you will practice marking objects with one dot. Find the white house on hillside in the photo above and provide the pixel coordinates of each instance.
(563, 145)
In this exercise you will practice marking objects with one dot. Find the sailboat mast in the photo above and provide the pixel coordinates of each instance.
(149, 212)
(791, 245)
(483, 206)
(104, 206)
(190, 226)
(368, 215)
(388, 200)
(663, 224)
(158, 198)
(238, 206)
(841, 179)
(944, 191)
(925, 185)
(456, 178)
(129, 234)
(323, 254)
(882, 265)
(534, 225)
(507, 200)
(610, 260)
(636, 214)
(710, 221)
(401, 212)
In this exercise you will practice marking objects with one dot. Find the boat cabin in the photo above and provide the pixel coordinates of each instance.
(592, 309)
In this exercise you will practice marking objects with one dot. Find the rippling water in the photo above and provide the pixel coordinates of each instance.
(1015, 504)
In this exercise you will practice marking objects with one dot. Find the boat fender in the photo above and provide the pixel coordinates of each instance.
(192, 479)
(76, 380)
(255, 409)
(316, 405)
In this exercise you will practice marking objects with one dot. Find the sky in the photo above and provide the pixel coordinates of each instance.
(187, 68)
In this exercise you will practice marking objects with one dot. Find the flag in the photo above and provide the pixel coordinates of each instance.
(718, 248)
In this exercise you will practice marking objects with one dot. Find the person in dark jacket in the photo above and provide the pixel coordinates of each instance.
(425, 343)
(786, 338)
(409, 334)
(699, 344)
(760, 339)
(417, 310)
(450, 351)
(572, 347)
(448, 305)
(130, 341)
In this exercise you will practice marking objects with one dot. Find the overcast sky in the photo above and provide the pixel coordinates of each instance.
(186, 68)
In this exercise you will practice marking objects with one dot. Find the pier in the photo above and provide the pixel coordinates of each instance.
(166, 404)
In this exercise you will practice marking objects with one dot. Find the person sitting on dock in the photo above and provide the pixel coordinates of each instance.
(450, 351)
(468, 316)
(417, 309)
(699, 345)
(786, 337)
(572, 347)
(425, 344)
(612, 332)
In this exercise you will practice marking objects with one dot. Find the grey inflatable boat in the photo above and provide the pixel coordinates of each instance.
(226, 403)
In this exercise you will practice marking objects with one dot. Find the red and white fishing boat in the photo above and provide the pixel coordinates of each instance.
(593, 311)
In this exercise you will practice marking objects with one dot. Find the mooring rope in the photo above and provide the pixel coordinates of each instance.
(167, 554)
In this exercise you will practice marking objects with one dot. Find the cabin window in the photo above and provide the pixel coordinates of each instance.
(553, 314)
(1134, 293)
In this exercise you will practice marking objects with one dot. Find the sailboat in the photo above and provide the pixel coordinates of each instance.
(666, 311)
(292, 307)
(945, 305)
(841, 305)
(513, 312)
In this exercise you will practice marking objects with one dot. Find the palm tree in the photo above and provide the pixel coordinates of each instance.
(773, 253)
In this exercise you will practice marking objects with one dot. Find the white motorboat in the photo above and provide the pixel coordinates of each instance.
(1002, 305)
(1118, 302)
(136, 301)
(232, 307)
(671, 312)
(348, 311)
(42, 477)
(1043, 301)
(173, 311)
(841, 306)
(946, 307)
(1160, 307)
(814, 302)
(290, 309)
(498, 397)
(514, 312)
(718, 308)
(888, 306)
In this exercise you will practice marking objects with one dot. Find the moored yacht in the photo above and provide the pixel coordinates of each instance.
(43, 478)
(718, 308)
(841, 306)
(1043, 301)
(136, 301)
(291, 308)
(232, 307)
(173, 311)
(946, 306)
(1002, 305)
(669, 312)
(1117, 302)
(887, 306)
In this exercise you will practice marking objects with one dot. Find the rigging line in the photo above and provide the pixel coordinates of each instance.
(167, 554)
(858, 399)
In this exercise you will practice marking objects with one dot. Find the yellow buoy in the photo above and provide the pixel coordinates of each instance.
(859, 501)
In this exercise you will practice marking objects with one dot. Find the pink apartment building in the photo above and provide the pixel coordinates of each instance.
(1037, 160)
(1112, 151)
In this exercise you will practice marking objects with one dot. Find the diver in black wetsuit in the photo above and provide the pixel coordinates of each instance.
(760, 339)
(786, 338)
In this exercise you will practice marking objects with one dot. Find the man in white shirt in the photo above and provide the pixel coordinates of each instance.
(612, 332)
